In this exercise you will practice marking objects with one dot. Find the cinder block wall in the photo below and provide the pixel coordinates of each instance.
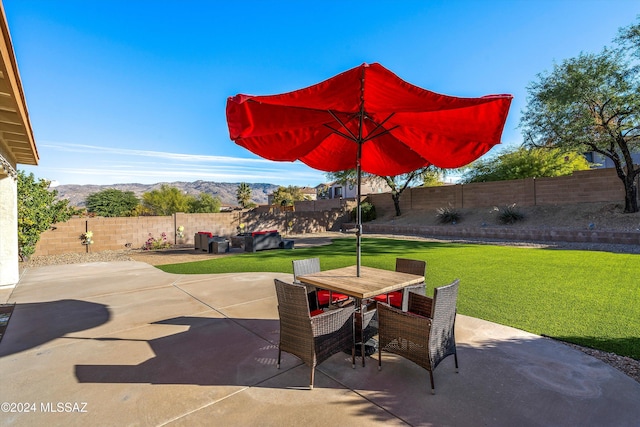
(318, 205)
(498, 193)
(123, 233)
(598, 185)
(108, 234)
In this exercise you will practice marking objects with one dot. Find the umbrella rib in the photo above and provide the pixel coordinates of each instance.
(384, 132)
(342, 134)
(353, 137)
(378, 126)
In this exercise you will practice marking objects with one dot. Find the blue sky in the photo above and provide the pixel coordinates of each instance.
(134, 91)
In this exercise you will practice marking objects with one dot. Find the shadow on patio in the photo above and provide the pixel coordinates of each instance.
(34, 324)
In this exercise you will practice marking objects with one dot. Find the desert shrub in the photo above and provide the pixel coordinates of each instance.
(37, 211)
(510, 214)
(160, 243)
(368, 212)
(448, 215)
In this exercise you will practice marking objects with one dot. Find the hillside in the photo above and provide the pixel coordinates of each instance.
(226, 191)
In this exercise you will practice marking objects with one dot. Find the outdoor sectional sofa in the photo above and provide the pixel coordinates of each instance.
(262, 240)
(207, 242)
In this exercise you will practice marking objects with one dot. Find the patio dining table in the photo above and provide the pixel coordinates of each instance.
(370, 283)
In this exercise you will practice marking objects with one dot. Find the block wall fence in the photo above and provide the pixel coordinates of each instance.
(599, 185)
(133, 232)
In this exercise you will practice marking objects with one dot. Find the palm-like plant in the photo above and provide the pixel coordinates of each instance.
(243, 194)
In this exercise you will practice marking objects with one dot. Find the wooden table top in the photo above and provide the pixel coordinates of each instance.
(372, 281)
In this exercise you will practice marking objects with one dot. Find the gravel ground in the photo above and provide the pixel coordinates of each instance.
(629, 366)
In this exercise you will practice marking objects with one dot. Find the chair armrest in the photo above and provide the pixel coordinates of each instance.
(420, 304)
(417, 289)
(332, 320)
(393, 311)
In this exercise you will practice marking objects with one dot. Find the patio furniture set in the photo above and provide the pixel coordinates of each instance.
(207, 242)
(262, 240)
(326, 312)
(370, 120)
(251, 242)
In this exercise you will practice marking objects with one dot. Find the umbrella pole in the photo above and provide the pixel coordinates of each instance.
(358, 212)
(360, 141)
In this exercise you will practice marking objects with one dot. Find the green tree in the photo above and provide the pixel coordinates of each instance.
(112, 202)
(629, 39)
(243, 195)
(591, 103)
(433, 177)
(323, 191)
(521, 162)
(397, 183)
(204, 203)
(286, 196)
(166, 201)
(37, 210)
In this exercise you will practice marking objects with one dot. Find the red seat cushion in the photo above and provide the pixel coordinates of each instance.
(323, 297)
(256, 233)
(395, 298)
(381, 298)
(316, 312)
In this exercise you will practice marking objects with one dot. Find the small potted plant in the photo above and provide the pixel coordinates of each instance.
(180, 234)
(86, 239)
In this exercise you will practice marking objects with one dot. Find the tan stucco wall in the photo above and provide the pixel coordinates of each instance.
(9, 272)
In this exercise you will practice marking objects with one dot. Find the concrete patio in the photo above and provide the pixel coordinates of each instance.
(124, 343)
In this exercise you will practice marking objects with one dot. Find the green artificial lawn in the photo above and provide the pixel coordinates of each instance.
(585, 297)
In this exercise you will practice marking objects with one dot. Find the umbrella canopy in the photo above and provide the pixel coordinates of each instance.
(369, 119)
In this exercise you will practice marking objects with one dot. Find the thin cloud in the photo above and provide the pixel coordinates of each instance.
(162, 174)
(120, 165)
(83, 148)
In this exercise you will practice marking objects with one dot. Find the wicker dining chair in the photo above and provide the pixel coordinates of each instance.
(317, 297)
(425, 333)
(400, 299)
(313, 339)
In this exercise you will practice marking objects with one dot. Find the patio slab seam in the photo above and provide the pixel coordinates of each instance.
(190, 295)
(98, 295)
(224, 315)
(362, 396)
(132, 291)
(240, 304)
(208, 405)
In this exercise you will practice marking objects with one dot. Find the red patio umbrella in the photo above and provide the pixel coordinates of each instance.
(369, 119)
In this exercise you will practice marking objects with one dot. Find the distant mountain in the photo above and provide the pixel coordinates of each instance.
(225, 191)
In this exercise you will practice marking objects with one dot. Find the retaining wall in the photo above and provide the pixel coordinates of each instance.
(505, 233)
